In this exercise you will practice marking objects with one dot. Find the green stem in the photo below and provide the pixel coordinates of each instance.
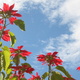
(49, 78)
(1, 31)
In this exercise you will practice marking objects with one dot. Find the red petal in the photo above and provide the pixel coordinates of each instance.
(12, 19)
(11, 7)
(1, 27)
(6, 37)
(25, 53)
(17, 15)
(1, 21)
(5, 7)
(20, 47)
(5, 32)
(78, 68)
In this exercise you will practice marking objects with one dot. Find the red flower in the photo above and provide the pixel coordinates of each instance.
(78, 68)
(12, 19)
(50, 59)
(1, 27)
(9, 13)
(22, 69)
(9, 10)
(18, 51)
(41, 57)
(5, 35)
(1, 21)
(29, 70)
(16, 68)
(37, 77)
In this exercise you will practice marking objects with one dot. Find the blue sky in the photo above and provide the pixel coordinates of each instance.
(51, 25)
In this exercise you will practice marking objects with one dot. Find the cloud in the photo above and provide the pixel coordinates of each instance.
(67, 44)
(69, 11)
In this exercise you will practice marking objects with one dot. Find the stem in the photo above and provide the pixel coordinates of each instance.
(1, 31)
(49, 78)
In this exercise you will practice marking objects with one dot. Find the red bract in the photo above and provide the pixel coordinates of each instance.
(5, 35)
(78, 68)
(9, 13)
(18, 51)
(1, 27)
(16, 68)
(22, 69)
(29, 70)
(1, 21)
(12, 19)
(41, 57)
(9, 10)
(35, 77)
(50, 59)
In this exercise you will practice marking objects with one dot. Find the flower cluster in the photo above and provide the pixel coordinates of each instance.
(18, 51)
(78, 68)
(35, 77)
(50, 59)
(7, 12)
(20, 70)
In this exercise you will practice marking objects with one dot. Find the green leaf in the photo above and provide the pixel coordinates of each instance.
(26, 64)
(1, 61)
(56, 76)
(6, 55)
(13, 38)
(8, 76)
(62, 69)
(9, 71)
(21, 24)
(6, 48)
(0, 44)
(46, 74)
(24, 58)
(23, 79)
(16, 60)
(14, 78)
(1, 77)
(3, 74)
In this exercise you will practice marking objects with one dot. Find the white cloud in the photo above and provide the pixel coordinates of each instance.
(68, 45)
(70, 10)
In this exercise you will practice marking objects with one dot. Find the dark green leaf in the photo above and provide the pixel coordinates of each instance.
(20, 23)
(23, 79)
(56, 76)
(46, 74)
(0, 44)
(62, 69)
(25, 58)
(16, 60)
(13, 38)
(3, 74)
(26, 64)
